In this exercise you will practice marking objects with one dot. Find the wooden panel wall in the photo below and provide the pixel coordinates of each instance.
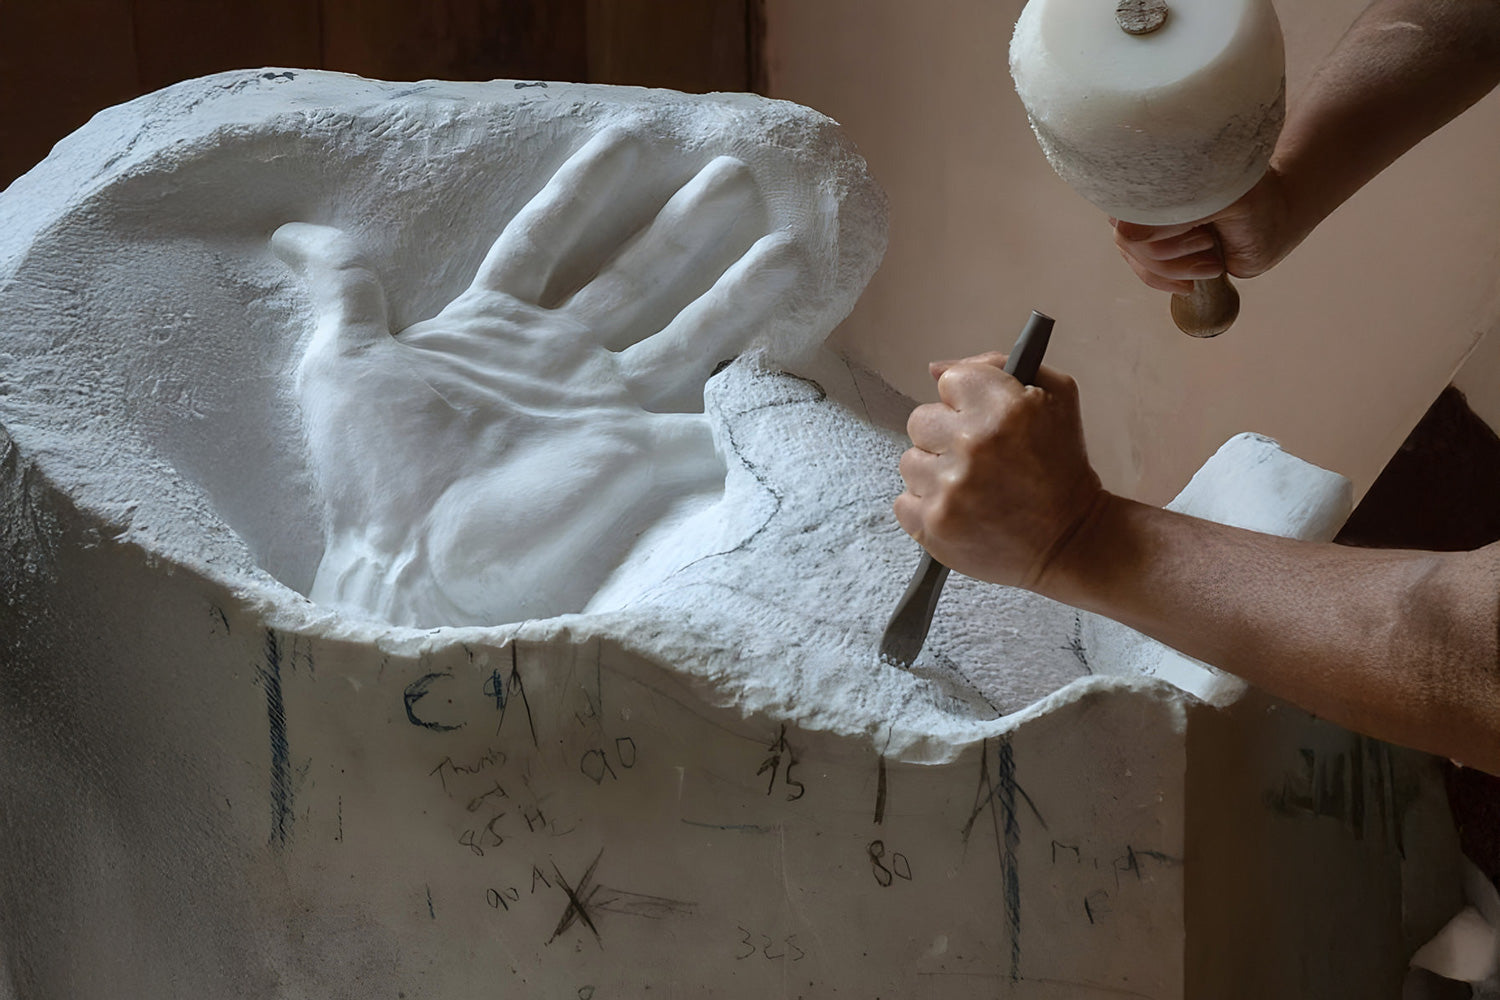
(660, 43)
(63, 60)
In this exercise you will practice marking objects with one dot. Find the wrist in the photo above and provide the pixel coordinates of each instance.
(1071, 568)
(1301, 208)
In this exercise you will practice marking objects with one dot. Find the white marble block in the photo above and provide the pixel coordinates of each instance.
(252, 744)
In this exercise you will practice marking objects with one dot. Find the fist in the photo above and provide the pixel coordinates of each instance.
(1247, 238)
(997, 478)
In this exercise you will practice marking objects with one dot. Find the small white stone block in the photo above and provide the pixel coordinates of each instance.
(704, 783)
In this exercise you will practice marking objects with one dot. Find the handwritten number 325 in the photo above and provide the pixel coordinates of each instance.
(788, 947)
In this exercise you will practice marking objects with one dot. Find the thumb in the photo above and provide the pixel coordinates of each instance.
(347, 297)
(995, 358)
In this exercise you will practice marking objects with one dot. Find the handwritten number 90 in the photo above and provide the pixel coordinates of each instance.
(497, 898)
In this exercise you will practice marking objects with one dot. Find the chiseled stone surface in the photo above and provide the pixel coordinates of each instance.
(702, 780)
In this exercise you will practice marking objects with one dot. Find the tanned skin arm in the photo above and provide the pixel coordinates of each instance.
(1396, 644)
(1403, 70)
(1399, 645)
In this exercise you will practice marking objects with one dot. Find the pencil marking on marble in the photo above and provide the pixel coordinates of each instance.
(415, 692)
(269, 674)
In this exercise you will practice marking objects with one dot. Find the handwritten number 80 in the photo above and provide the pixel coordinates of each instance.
(899, 866)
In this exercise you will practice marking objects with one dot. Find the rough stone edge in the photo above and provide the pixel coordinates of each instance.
(1261, 461)
(81, 166)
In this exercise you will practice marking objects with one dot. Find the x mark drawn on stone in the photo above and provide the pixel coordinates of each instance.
(586, 900)
(577, 908)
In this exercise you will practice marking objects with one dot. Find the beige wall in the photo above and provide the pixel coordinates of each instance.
(1337, 353)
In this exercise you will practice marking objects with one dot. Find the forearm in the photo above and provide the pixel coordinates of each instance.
(1403, 70)
(1396, 644)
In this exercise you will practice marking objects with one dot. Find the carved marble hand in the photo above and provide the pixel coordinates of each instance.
(501, 460)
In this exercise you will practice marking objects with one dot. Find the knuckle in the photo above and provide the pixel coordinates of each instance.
(616, 140)
(728, 170)
(972, 436)
(938, 516)
(944, 518)
(952, 378)
(918, 421)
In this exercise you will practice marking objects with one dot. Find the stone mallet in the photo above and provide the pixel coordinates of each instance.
(1158, 115)
(908, 627)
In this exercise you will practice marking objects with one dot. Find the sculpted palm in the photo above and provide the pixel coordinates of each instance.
(503, 459)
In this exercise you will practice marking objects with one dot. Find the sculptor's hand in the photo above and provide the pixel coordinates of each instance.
(1254, 234)
(500, 460)
(997, 480)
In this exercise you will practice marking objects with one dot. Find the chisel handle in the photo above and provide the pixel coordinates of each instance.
(1025, 359)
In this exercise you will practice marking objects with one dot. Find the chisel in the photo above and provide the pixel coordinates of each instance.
(908, 627)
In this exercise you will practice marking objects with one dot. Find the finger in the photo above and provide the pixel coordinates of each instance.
(1195, 267)
(1134, 232)
(965, 386)
(932, 427)
(1055, 382)
(918, 470)
(993, 358)
(909, 513)
(1052, 380)
(666, 370)
(584, 189)
(1153, 280)
(707, 225)
(1183, 245)
(347, 297)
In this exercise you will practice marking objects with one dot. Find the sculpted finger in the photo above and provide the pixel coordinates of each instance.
(700, 232)
(348, 299)
(666, 371)
(584, 190)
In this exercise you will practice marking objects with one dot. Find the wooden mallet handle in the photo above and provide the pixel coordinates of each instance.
(1209, 309)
